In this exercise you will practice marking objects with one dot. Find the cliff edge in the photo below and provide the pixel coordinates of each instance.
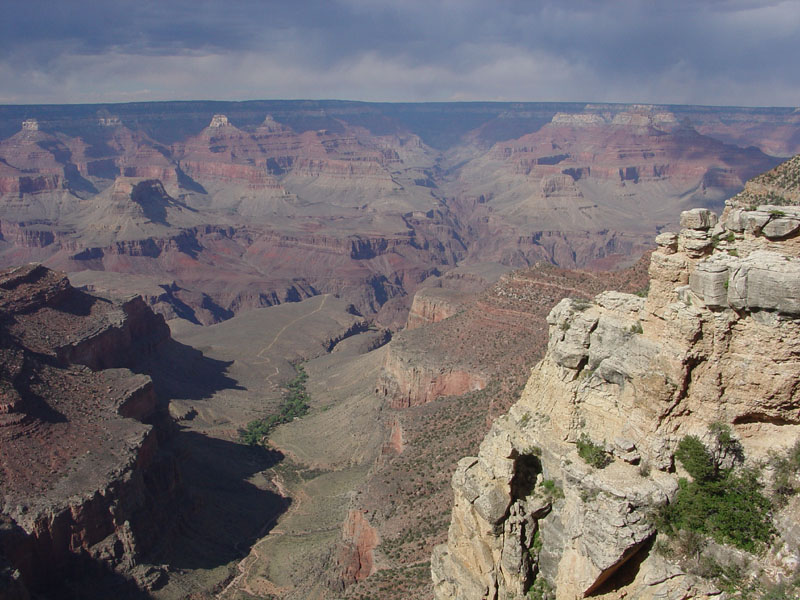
(85, 490)
(581, 489)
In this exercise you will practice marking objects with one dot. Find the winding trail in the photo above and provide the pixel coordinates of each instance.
(260, 353)
(266, 360)
(269, 528)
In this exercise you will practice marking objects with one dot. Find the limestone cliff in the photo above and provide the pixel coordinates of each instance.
(715, 343)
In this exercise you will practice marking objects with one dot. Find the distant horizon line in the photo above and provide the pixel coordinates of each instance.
(393, 102)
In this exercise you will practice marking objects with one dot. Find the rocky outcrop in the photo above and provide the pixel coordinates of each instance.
(408, 379)
(715, 342)
(85, 487)
(354, 557)
(432, 305)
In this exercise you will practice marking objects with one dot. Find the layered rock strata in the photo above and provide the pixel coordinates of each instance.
(408, 379)
(85, 488)
(716, 341)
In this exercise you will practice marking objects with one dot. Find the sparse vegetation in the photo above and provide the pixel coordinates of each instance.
(536, 543)
(723, 503)
(786, 468)
(636, 327)
(535, 451)
(552, 490)
(594, 454)
(295, 404)
(541, 590)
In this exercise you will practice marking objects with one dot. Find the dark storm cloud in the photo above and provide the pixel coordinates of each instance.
(714, 52)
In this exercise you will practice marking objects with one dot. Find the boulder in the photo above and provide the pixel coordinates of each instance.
(781, 226)
(766, 281)
(700, 219)
(709, 281)
(667, 242)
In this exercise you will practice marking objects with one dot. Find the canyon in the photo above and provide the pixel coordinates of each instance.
(185, 262)
(234, 206)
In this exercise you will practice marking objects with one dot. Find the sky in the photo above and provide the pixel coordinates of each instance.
(713, 52)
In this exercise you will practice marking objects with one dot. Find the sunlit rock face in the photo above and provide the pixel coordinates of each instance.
(716, 341)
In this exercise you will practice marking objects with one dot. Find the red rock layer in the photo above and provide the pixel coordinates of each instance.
(636, 148)
(354, 560)
(407, 381)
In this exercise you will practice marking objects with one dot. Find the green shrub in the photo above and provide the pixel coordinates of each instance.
(722, 503)
(694, 457)
(536, 544)
(786, 468)
(541, 590)
(727, 445)
(594, 454)
(552, 490)
(295, 404)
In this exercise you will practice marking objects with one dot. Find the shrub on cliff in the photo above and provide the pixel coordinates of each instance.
(723, 503)
(594, 454)
(786, 468)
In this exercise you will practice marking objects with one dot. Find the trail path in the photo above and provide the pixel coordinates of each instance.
(289, 324)
(265, 360)
(254, 557)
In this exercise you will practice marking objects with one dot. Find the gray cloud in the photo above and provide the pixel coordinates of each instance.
(714, 52)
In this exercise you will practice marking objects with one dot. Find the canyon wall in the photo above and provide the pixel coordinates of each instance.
(241, 211)
(86, 488)
(715, 346)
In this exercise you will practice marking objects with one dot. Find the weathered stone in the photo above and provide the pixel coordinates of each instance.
(569, 339)
(625, 304)
(734, 220)
(639, 376)
(453, 579)
(626, 450)
(779, 227)
(754, 220)
(709, 281)
(492, 504)
(668, 242)
(694, 243)
(698, 218)
(766, 281)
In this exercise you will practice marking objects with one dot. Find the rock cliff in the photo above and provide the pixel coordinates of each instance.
(85, 490)
(561, 501)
